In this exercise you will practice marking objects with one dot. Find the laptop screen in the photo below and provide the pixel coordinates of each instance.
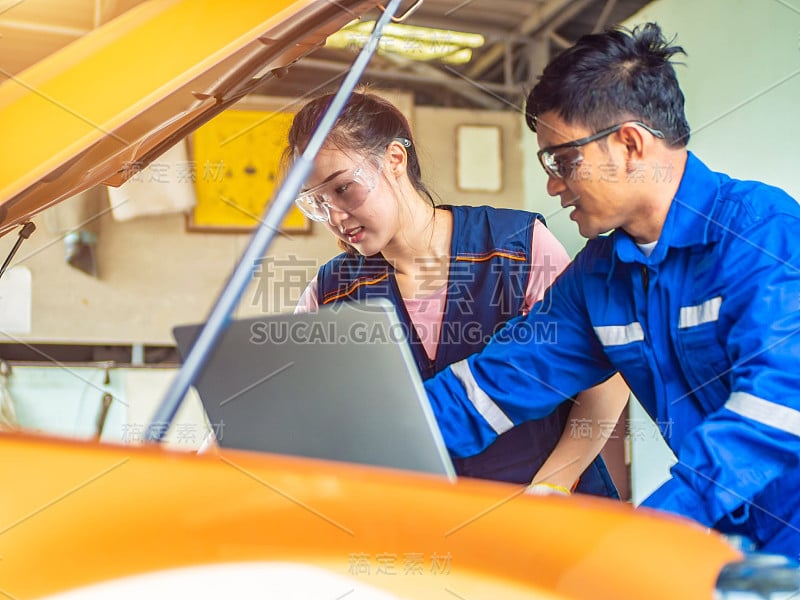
(338, 384)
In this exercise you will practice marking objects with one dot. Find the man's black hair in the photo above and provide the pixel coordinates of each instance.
(609, 77)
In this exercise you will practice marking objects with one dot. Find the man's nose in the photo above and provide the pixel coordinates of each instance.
(555, 185)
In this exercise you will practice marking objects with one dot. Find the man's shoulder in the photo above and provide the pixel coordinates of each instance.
(601, 247)
(753, 201)
(596, 256)
(740, 204)
(719, 205)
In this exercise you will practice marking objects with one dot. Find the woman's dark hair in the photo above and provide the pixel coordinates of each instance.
(368, 123)
(608, 77)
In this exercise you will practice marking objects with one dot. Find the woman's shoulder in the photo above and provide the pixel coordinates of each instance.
(492, 212)
(346, 267)
(493, 217)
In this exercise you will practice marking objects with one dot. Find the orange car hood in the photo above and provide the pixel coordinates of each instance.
(117, 98)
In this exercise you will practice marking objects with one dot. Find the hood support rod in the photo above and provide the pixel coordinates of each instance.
(268, 228)
(24, 233)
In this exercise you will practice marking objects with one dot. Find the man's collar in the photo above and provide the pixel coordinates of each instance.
(689, 220)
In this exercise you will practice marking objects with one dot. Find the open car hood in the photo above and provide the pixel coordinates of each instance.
(108, 104)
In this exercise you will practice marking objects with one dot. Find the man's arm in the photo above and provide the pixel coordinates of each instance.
(529, 367)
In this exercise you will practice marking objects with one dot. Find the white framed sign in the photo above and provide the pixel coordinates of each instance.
(479, 155)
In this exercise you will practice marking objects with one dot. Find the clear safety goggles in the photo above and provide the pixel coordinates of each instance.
(560, 161)
(345, 191)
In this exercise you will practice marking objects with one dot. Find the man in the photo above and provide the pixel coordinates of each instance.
(694, 297)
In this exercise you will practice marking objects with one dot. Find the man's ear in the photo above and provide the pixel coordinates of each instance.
(635, 142)
(633, 139)
(397, 158)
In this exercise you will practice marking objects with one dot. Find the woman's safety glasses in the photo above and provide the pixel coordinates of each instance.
(343, 191)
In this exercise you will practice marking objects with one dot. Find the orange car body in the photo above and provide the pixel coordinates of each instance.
(73, 514)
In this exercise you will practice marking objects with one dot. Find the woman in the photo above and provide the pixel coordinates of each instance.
(455, 273)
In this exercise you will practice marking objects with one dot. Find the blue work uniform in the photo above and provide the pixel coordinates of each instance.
(705, 330)
(488, 276)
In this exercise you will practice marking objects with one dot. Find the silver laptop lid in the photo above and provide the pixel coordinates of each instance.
(339, 384)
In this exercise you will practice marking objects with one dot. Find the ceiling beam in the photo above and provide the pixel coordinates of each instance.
(567, 14)
(549, 16)
(541, 49)
(485, 94)
(491, 33)
(542, 15)
(472, 90)
(604, 15)
(559, 40)
(538, 57)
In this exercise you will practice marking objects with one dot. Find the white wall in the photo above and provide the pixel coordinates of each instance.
(66, 401)
(742, 83)
(152, 275)
(741, 80)
(437, 130)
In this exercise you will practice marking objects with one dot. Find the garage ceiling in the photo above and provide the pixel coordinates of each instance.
(521, 36)
(32, 29)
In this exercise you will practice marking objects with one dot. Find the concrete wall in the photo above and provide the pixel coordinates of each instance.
(437, 133)
(153, 273)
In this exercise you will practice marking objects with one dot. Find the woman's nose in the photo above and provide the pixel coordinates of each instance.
(335, 215)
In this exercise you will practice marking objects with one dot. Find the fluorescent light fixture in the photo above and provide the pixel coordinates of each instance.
(410, 41)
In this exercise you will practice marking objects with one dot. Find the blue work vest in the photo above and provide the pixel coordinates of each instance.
(489, 272)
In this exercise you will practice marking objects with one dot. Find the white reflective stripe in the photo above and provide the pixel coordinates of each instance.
(617, 335)
(766, 412)
(707, 312)
(496, 418)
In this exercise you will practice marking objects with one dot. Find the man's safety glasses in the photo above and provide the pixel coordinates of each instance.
(561, 160)
(345, 191)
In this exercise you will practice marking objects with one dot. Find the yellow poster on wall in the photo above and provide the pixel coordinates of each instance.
(237, 160)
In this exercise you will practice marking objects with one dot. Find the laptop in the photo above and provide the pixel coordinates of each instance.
(339, 384)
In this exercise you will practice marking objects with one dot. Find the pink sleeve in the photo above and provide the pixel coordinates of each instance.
(308, 301)
(548, 259)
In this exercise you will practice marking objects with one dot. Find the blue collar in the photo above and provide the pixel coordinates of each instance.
(689, 221)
